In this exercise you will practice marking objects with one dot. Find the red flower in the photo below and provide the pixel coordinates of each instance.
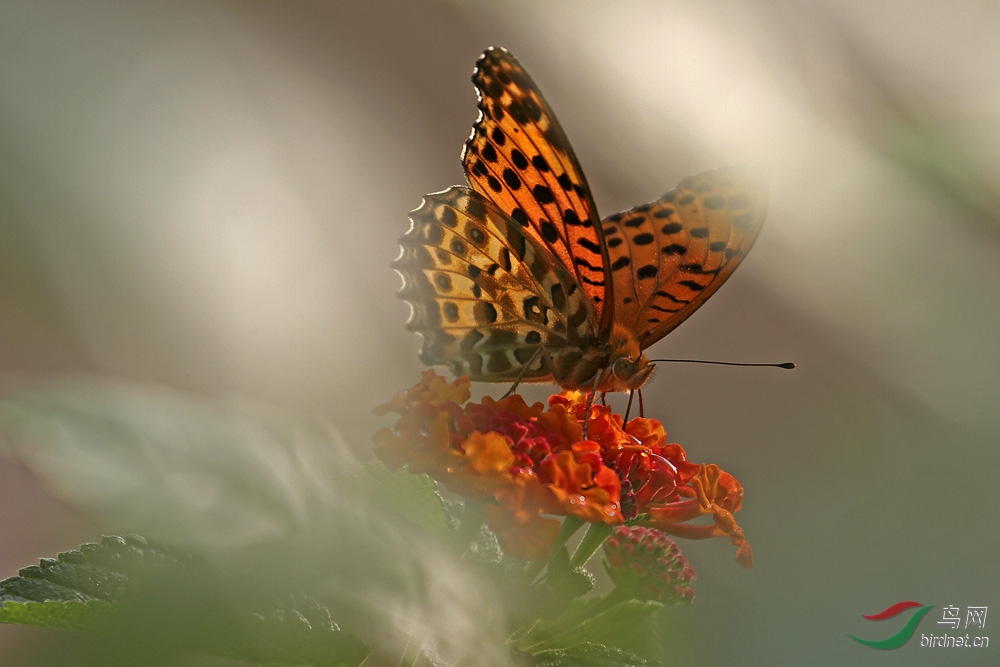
(648, 565)
(525, 461)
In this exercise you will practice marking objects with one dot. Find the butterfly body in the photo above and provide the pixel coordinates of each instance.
(618, 361)
(517, 279)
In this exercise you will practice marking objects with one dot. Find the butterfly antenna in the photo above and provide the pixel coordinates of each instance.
(786, 364)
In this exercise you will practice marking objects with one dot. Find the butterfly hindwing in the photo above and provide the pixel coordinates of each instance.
(518, 157)
(486, 297)
(668, 256)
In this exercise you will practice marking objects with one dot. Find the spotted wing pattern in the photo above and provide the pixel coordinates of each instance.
(516, 279)
(667, 257)
(486, 297)
(518, 157)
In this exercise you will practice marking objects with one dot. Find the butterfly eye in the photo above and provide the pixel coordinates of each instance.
(623, 368)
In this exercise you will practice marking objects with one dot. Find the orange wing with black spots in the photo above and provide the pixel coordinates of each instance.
(519, 158)
(669, 256)
(517, 279)
(486, 298)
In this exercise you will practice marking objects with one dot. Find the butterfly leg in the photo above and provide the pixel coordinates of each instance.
(628, 408)
(590, 404)
(524, 370)
(642, 408)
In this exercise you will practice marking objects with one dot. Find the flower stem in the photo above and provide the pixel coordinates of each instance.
(591, 542)
(569, 526)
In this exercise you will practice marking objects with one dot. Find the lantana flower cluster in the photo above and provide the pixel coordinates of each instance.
(529, 463)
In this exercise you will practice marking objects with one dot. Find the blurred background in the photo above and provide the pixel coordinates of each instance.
(207, 196)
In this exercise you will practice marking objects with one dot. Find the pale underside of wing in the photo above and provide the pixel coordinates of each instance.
(485, 296)
(669, 256)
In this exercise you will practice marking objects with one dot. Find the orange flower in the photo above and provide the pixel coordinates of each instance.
(517, 519)
(583, 486)
(525, 461)
(421, 439)
(716, 493)
(432, 389)
(481, 466)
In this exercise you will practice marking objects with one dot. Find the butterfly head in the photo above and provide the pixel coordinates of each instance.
(626, 367)
(626, 373)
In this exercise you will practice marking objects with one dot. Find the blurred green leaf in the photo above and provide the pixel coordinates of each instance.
(189, 469)
(96, 572)
(70, 614)
(588, 655)
(628, 626)
(152, 601)
(412, 497)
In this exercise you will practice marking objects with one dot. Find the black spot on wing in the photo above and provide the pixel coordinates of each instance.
(549, 232)
(543, 195)
(517, 157)
(540, 163)
(714, 202)
(621, 263)
(647, 271)
(485, 312)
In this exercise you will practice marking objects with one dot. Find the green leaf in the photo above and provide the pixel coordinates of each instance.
(193, 470)
(151, 602)
(412, 497)
(96, 572)
(629, 626)
(302, 633)
(69, 614)
(588, 655)
(571, 581)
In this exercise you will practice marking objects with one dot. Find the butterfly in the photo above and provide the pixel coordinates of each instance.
(517, 278)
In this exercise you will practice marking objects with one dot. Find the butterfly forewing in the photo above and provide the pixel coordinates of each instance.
(518, 157)
(667, 257)
(516, 279)
(486, 297)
